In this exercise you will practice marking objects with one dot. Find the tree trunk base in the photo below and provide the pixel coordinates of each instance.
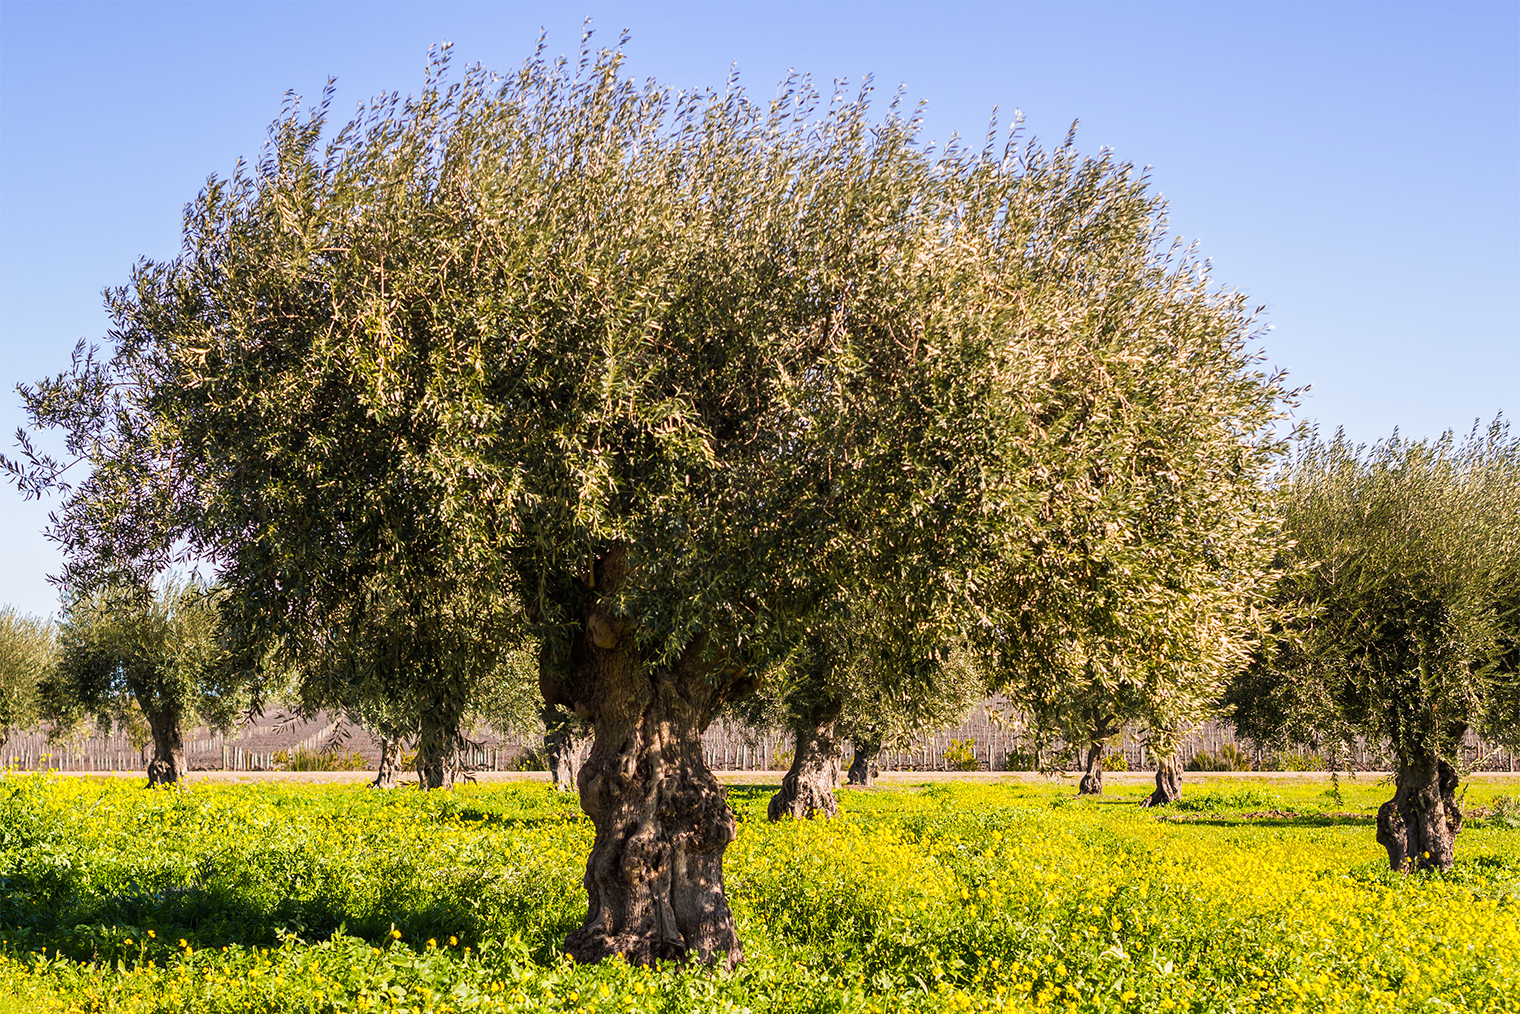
(863, 770)
(1168, 784)
(567, 743)
(1419, 825)
(1092, 777)
(440, 747)
(390, 764)
(654, 880)
(168, 762)
(808, 788)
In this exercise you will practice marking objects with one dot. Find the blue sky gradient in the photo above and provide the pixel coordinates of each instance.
(1354, 167)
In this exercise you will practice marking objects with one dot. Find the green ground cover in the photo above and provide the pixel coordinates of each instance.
(1253, 895)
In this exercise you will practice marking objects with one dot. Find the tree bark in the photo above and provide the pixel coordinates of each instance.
(1168, 782)
(390, 763)
(439, 745)
(808, 788)
(654, 879)
(168, 762)
(566, 745)
(863, 769)
(1092, 778)
(1419, 825)
(1103, 726)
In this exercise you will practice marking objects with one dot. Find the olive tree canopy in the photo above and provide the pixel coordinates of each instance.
(1397, 617)
(652, 377)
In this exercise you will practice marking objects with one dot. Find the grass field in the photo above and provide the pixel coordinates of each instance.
(1253, 894)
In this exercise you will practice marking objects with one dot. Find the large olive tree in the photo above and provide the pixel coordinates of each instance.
(1397, 617)
(1136, 590)
(652, 376)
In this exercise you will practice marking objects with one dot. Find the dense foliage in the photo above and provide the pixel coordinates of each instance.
(1258, 895)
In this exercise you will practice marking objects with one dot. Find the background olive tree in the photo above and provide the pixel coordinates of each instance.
(26, 657)
(1397, 619)
(850, 679)
(159, 652)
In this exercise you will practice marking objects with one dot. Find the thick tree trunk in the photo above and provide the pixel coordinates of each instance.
(168, 762)
(863, 769)
(390, 763)
(654, 880)
(567, 741)
(808, 788)
(1092, 778)
(1419, 825)
(1102, 726)
(1168, 782)
(439, 745)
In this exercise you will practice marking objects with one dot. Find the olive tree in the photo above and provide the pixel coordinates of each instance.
(650, 376)
(1137, 590)
(1396, 619)
(849, 679)
(26, 655)
(160, 652)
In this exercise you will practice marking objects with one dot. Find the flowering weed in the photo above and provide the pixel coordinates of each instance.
(953, 897)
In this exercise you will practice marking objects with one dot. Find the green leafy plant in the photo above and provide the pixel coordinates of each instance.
(960, 755)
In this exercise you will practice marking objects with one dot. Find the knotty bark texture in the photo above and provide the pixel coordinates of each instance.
(808, 788)
(1419, 825)
(863, 768)
(1168, 782)
(654, 879)
(168, 762)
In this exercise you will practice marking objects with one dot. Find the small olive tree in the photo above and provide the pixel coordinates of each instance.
(27, 648)
(849, 679)
(124, 647)
(1397, 618)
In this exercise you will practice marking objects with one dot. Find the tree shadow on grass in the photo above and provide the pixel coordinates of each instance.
(1271, 818)
(88, 926)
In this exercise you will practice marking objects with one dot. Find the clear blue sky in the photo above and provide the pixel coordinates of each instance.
(1353, 167)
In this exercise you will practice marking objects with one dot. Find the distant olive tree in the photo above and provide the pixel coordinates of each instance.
(1397, 619)
(849, 679)
(159, 651)
(27, 649)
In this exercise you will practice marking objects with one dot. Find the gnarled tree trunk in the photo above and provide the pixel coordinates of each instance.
(654, 880)
(1168, 782)
(808, 788)
(567, 742)
(439, 747)
(390, 763)
(1103, 727)
(168, 762)
(1092, 777)
(863, 769)
(1419, 825)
